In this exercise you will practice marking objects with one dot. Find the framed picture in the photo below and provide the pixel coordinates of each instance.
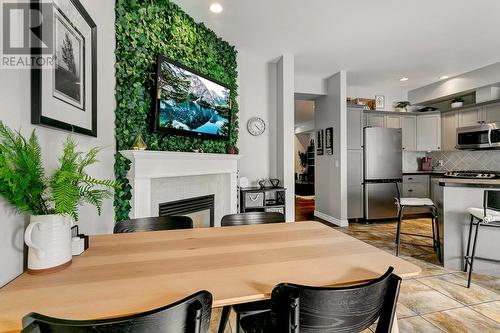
(64, 95)
(329, 141)
(379, 102)
(319, 142)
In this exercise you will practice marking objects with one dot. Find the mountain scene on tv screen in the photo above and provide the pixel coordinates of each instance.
(192, 103)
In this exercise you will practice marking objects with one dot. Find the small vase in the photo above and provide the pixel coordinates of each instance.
(139, 143)
(48, 238)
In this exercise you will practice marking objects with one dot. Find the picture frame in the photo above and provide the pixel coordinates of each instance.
(319, 142)
(329, 141)
(64, 96)
(379, 102)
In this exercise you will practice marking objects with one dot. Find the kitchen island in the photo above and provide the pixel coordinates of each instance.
(452, 198)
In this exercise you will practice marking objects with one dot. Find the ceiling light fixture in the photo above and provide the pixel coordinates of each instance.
(444, 77)
(216, 8)
(403, 79)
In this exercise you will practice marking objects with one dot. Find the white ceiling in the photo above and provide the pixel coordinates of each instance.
(376, 41)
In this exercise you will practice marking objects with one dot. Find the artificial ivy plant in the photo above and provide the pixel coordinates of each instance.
(144, 30)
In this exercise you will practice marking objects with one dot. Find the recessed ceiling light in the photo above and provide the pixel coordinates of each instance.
(403, 79)
(216, 8)
(444, 77)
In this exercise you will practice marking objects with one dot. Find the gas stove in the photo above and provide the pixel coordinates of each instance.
(476, 174)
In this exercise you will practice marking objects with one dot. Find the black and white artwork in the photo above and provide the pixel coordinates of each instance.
(319, 142)
(64, 92)
(69, 68)
(329, 141)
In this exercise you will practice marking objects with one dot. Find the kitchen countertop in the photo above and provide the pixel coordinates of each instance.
(461, 182)
(423, 172)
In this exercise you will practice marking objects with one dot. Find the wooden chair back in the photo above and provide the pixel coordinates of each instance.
(154, 224)
(190, 315)
(252, 218)
(296, 308)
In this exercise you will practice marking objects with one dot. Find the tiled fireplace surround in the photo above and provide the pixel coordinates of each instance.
(456, 160)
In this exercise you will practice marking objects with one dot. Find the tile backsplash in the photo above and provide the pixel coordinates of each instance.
(411, 160)
(466, 160)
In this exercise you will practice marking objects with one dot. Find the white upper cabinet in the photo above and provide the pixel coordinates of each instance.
(375, 120)
(393, 121)
(491, 114)
(469, 117)
(449, 124)
(429, 132)
(409, 131)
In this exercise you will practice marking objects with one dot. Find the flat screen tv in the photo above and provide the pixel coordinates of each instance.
(188, 103)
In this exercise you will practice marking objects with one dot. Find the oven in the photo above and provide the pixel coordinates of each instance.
(485, 136)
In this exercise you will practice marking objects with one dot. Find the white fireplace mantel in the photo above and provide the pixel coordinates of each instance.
(147, 165)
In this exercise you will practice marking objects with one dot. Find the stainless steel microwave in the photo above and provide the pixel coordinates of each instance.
(484, 136)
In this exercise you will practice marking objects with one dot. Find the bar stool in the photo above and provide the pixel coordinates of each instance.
(403, 203)
(487, 216)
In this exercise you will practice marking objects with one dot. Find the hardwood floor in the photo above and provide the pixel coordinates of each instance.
(304, 209)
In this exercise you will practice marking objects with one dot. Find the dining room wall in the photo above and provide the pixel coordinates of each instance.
(15, 112)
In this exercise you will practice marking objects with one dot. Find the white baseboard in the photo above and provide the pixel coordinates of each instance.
(331, 219)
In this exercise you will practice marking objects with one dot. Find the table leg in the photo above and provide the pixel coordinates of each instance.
(224, 318)
(395, 326)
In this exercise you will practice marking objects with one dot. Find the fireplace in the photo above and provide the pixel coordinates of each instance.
(189, 206)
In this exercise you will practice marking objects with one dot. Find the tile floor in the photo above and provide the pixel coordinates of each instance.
(436, 300)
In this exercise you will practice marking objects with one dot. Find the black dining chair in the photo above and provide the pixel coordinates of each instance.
(296, 308)
(190, 315)
(153, 224)
(252, 218)
(246, 309)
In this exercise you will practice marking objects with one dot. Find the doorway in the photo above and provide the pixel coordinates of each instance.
(304, 159)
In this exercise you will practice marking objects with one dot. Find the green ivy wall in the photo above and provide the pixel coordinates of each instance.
(145, 29)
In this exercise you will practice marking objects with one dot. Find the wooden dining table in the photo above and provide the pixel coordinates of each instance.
(124, 274)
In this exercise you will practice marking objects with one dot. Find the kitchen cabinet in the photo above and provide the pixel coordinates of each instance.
(354, 128)
(491, 114)
(474, 116)
(355, 189)
(469, 117)
(375, 120)
(449, 124)
(392, 121)
(416, 186)
(429, 132)
(409, 131)
(355, 184)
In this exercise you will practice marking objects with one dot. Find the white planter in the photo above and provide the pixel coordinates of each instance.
(457, 105)
(49, 240)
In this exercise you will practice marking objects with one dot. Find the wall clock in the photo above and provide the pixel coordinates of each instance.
(256, 126)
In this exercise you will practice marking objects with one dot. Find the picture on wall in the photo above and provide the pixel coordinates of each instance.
(69, 78)
(64, 94)
(329, 141)
(319, 142)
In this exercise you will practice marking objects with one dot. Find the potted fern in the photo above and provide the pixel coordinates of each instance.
(51, 201)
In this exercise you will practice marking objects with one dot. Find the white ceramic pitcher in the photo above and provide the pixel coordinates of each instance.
(49, 240)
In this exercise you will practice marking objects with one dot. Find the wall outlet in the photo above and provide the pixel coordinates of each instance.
(440, 162)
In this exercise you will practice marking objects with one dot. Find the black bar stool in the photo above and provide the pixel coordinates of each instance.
(487, 216)
(403, 203)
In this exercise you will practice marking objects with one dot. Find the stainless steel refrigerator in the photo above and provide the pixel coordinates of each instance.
(383, 170)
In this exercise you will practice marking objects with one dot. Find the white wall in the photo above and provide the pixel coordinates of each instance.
(285, 130)
(331, 170)
(481, 77)
(257, 98)
(15, 112)
(391, 94)
(309, 85)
